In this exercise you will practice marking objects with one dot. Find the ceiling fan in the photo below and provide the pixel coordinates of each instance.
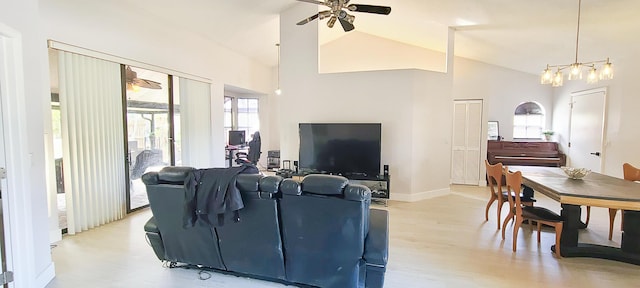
(338, 12)
(133, 80)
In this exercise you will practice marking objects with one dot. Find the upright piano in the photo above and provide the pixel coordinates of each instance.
(525, 153)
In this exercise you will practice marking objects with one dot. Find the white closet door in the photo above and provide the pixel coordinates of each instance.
(467, 138)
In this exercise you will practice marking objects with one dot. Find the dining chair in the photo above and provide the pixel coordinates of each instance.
(519, 213)
(495, 180)
(630, 173)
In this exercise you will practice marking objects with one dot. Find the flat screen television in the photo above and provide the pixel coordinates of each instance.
(349, 149)
(237, 137)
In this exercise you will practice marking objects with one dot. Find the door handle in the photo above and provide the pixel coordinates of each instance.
(595, 153)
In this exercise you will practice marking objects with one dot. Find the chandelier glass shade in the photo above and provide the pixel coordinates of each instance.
(595, 70)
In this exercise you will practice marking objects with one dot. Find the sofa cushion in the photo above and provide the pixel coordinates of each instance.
(324, 184)
(270, 184)
(290, 187)
(248, 182)
(357, 192)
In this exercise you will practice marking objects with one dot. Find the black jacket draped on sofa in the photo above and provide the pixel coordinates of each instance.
(210, 193)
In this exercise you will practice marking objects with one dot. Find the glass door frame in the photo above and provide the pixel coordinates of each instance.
(171, 136)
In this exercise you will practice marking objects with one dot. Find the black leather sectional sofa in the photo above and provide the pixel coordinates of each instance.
(319, 232)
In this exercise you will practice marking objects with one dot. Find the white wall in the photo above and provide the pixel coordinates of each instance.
(413, 136)
(32, 257)
(357, 51)
(108, 28)
(621, 133)
(502, 91)
(411, 104)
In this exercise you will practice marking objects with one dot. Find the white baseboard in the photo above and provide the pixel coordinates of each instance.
(55, 236)
(414, 197)
(46, 276)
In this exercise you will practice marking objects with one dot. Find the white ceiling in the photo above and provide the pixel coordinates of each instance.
(524, 35)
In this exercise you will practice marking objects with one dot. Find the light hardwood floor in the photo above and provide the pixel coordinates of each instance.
(439, 242)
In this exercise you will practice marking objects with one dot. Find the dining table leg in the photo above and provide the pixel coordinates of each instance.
(571, 217)
(631, 232)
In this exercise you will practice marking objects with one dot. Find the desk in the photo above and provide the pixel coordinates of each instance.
(230, 153)
(594, 190)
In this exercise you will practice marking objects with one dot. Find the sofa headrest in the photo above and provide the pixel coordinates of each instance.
(248, 182)
(290, 187)
(168, 175)
(150, 178)
(324, 184)
(174, 174)
(270, 184)
(357, 192)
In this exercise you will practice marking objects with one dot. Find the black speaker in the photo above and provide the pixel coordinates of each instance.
(295, 166)
(386, 170)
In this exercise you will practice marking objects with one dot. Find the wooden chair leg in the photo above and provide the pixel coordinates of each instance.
(539, 228)
(505, 222)
(558, 235)
(612, 218)
(500, 203)
(586, 223)
(486, 211)
(516, 227)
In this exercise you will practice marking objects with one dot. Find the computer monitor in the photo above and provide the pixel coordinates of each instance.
(237, 137)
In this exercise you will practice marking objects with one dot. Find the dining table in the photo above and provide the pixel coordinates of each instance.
(595, 189)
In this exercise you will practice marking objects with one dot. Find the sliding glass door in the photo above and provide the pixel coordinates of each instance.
(148, 127)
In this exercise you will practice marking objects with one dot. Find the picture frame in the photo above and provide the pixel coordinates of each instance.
(493, 130)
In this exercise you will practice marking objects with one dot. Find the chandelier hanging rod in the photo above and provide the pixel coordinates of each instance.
(578, 30)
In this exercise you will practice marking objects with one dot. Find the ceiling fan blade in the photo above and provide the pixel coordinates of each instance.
(145, 83)
(313, 2)
(385, 10)
(346, 25)
(305, 21)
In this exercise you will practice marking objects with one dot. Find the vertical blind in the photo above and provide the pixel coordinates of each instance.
(93, 142)
(195, 123)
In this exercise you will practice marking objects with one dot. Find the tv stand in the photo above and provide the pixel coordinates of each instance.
(379, 185)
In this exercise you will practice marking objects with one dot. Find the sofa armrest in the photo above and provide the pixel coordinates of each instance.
(376, 249)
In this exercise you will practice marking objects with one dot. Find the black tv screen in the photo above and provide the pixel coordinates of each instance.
(349, 149)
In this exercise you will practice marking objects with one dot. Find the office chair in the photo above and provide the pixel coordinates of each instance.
(253, 155)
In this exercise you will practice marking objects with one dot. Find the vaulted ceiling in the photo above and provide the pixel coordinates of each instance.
(517, 34)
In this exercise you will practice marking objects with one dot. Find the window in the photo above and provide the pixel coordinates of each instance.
(241, 114)
(528, 121)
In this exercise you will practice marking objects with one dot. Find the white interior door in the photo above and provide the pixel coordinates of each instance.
(5, 260)
(587, 129)
(467, 138)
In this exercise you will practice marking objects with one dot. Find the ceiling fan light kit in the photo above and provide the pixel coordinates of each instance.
(575, 69)
(338, 12)
(134, 83)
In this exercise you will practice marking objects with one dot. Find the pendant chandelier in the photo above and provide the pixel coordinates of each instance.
(597, 70)
(278, 90)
